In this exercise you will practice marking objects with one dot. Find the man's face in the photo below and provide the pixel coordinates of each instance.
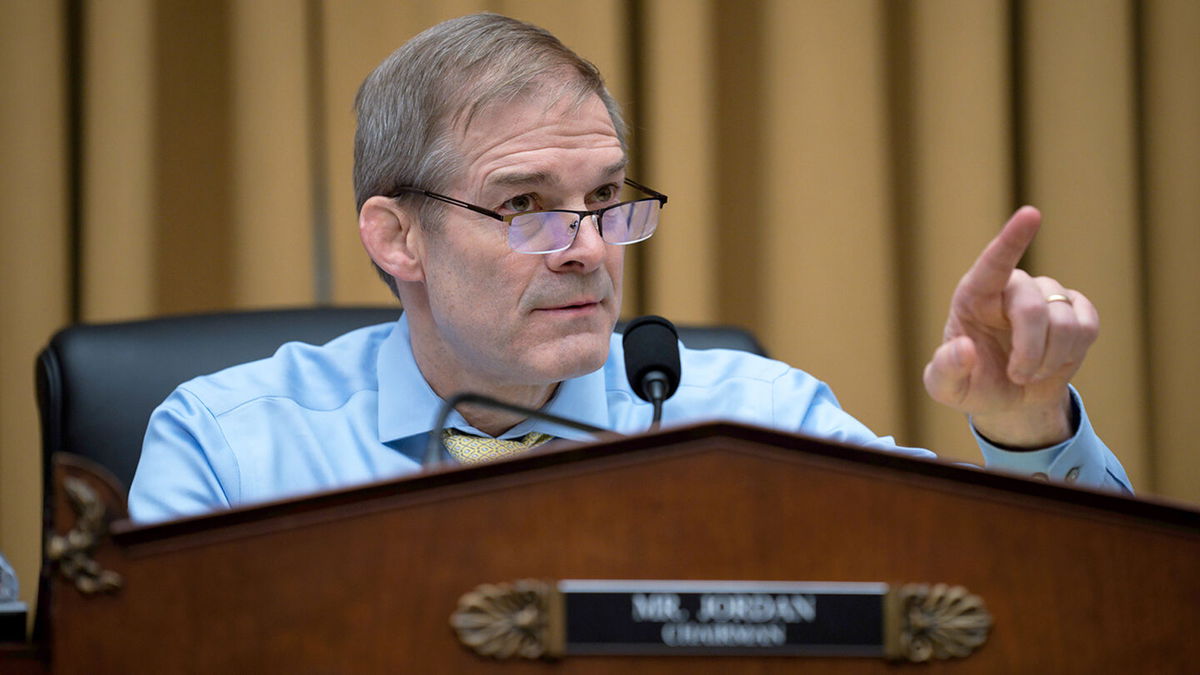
(496, 318)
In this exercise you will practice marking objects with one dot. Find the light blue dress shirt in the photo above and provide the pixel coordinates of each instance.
(357, 410)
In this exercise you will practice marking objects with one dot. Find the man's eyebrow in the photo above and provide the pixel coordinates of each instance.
(617, 167)
(520, 178)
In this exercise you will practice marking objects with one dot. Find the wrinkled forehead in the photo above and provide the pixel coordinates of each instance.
(507, 131)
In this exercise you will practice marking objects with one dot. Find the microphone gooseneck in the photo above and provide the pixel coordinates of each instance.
(652, 361)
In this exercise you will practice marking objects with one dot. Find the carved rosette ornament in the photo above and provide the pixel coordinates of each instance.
(511, 619)
(935, 622)
(72, 552)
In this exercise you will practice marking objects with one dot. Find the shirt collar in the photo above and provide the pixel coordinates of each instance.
(408, 405)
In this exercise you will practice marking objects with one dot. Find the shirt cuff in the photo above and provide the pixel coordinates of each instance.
(1079, 459)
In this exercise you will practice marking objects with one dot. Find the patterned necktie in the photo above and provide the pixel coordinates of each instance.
(470, 449)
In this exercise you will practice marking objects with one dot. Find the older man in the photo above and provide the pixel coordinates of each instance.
(490, 171)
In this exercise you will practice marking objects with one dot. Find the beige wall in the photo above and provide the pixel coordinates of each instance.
(833, 167)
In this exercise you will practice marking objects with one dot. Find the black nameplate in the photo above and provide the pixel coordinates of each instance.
(723, 617)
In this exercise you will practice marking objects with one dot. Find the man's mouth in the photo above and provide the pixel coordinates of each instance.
(579, 305)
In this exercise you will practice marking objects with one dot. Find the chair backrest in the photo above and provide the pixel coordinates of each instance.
(98, 383)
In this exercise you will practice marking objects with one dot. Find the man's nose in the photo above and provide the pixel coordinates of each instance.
(587, 250)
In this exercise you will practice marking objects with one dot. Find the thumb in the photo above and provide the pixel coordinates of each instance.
(948, 373)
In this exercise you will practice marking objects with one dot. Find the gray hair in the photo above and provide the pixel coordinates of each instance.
(409, 107)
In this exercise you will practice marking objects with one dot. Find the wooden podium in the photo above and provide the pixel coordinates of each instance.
(366, 579)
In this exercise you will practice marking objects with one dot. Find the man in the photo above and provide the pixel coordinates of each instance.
(490, 177)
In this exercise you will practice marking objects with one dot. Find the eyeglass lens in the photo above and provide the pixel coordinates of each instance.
(551, 231)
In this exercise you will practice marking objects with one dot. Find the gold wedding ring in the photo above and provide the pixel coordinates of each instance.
(1057, 297)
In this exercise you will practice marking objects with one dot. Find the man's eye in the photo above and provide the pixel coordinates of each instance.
(520, 204)
(605, 194)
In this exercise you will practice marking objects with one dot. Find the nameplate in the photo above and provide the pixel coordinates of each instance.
(579, 617)
(714, 618)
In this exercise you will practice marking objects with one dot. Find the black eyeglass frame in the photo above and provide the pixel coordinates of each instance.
(599, 213)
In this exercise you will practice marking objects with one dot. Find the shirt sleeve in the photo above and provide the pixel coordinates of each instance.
(186, 467)
(1082, 459)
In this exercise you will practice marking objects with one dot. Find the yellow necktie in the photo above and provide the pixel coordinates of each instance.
(470, 449)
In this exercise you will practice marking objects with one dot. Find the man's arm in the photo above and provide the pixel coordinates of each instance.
(1083, 459)
(186, 467)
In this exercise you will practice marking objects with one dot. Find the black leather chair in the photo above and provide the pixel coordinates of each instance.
(98, 383)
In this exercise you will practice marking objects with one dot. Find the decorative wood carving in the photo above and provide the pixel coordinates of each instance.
(510, 619)
(935, 622)
(72, 553)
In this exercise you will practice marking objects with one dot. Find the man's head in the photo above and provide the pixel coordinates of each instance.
(498, 114)
(411, 105)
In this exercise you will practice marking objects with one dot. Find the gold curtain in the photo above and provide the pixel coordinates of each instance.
(834, 166)
(34, 260)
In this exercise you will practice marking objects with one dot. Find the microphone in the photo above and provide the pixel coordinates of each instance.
(652, 360)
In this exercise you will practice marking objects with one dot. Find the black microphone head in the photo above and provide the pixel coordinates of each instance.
(651, 344)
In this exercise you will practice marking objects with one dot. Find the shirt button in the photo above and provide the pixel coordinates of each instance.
(1073, 475)
(1040, 476)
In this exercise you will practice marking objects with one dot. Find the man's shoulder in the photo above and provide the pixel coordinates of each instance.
(313, 376)
(710, 366)
(725, 384)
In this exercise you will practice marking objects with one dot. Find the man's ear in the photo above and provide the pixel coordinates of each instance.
(392, 237)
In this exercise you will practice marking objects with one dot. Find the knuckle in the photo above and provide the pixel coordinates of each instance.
(1025, 311)
(1088, 333)
(1064, 323)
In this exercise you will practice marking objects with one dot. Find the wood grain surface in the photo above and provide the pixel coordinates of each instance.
(365, 580)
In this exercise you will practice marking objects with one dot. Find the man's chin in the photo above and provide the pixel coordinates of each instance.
(570, 356)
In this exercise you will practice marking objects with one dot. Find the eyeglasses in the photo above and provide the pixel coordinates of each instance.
(554, 230)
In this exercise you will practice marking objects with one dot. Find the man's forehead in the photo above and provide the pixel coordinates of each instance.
(522, 178)
(556, 89)
(531, 141)
(535, 109)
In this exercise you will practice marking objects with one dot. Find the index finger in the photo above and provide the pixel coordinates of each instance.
(995, 265)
